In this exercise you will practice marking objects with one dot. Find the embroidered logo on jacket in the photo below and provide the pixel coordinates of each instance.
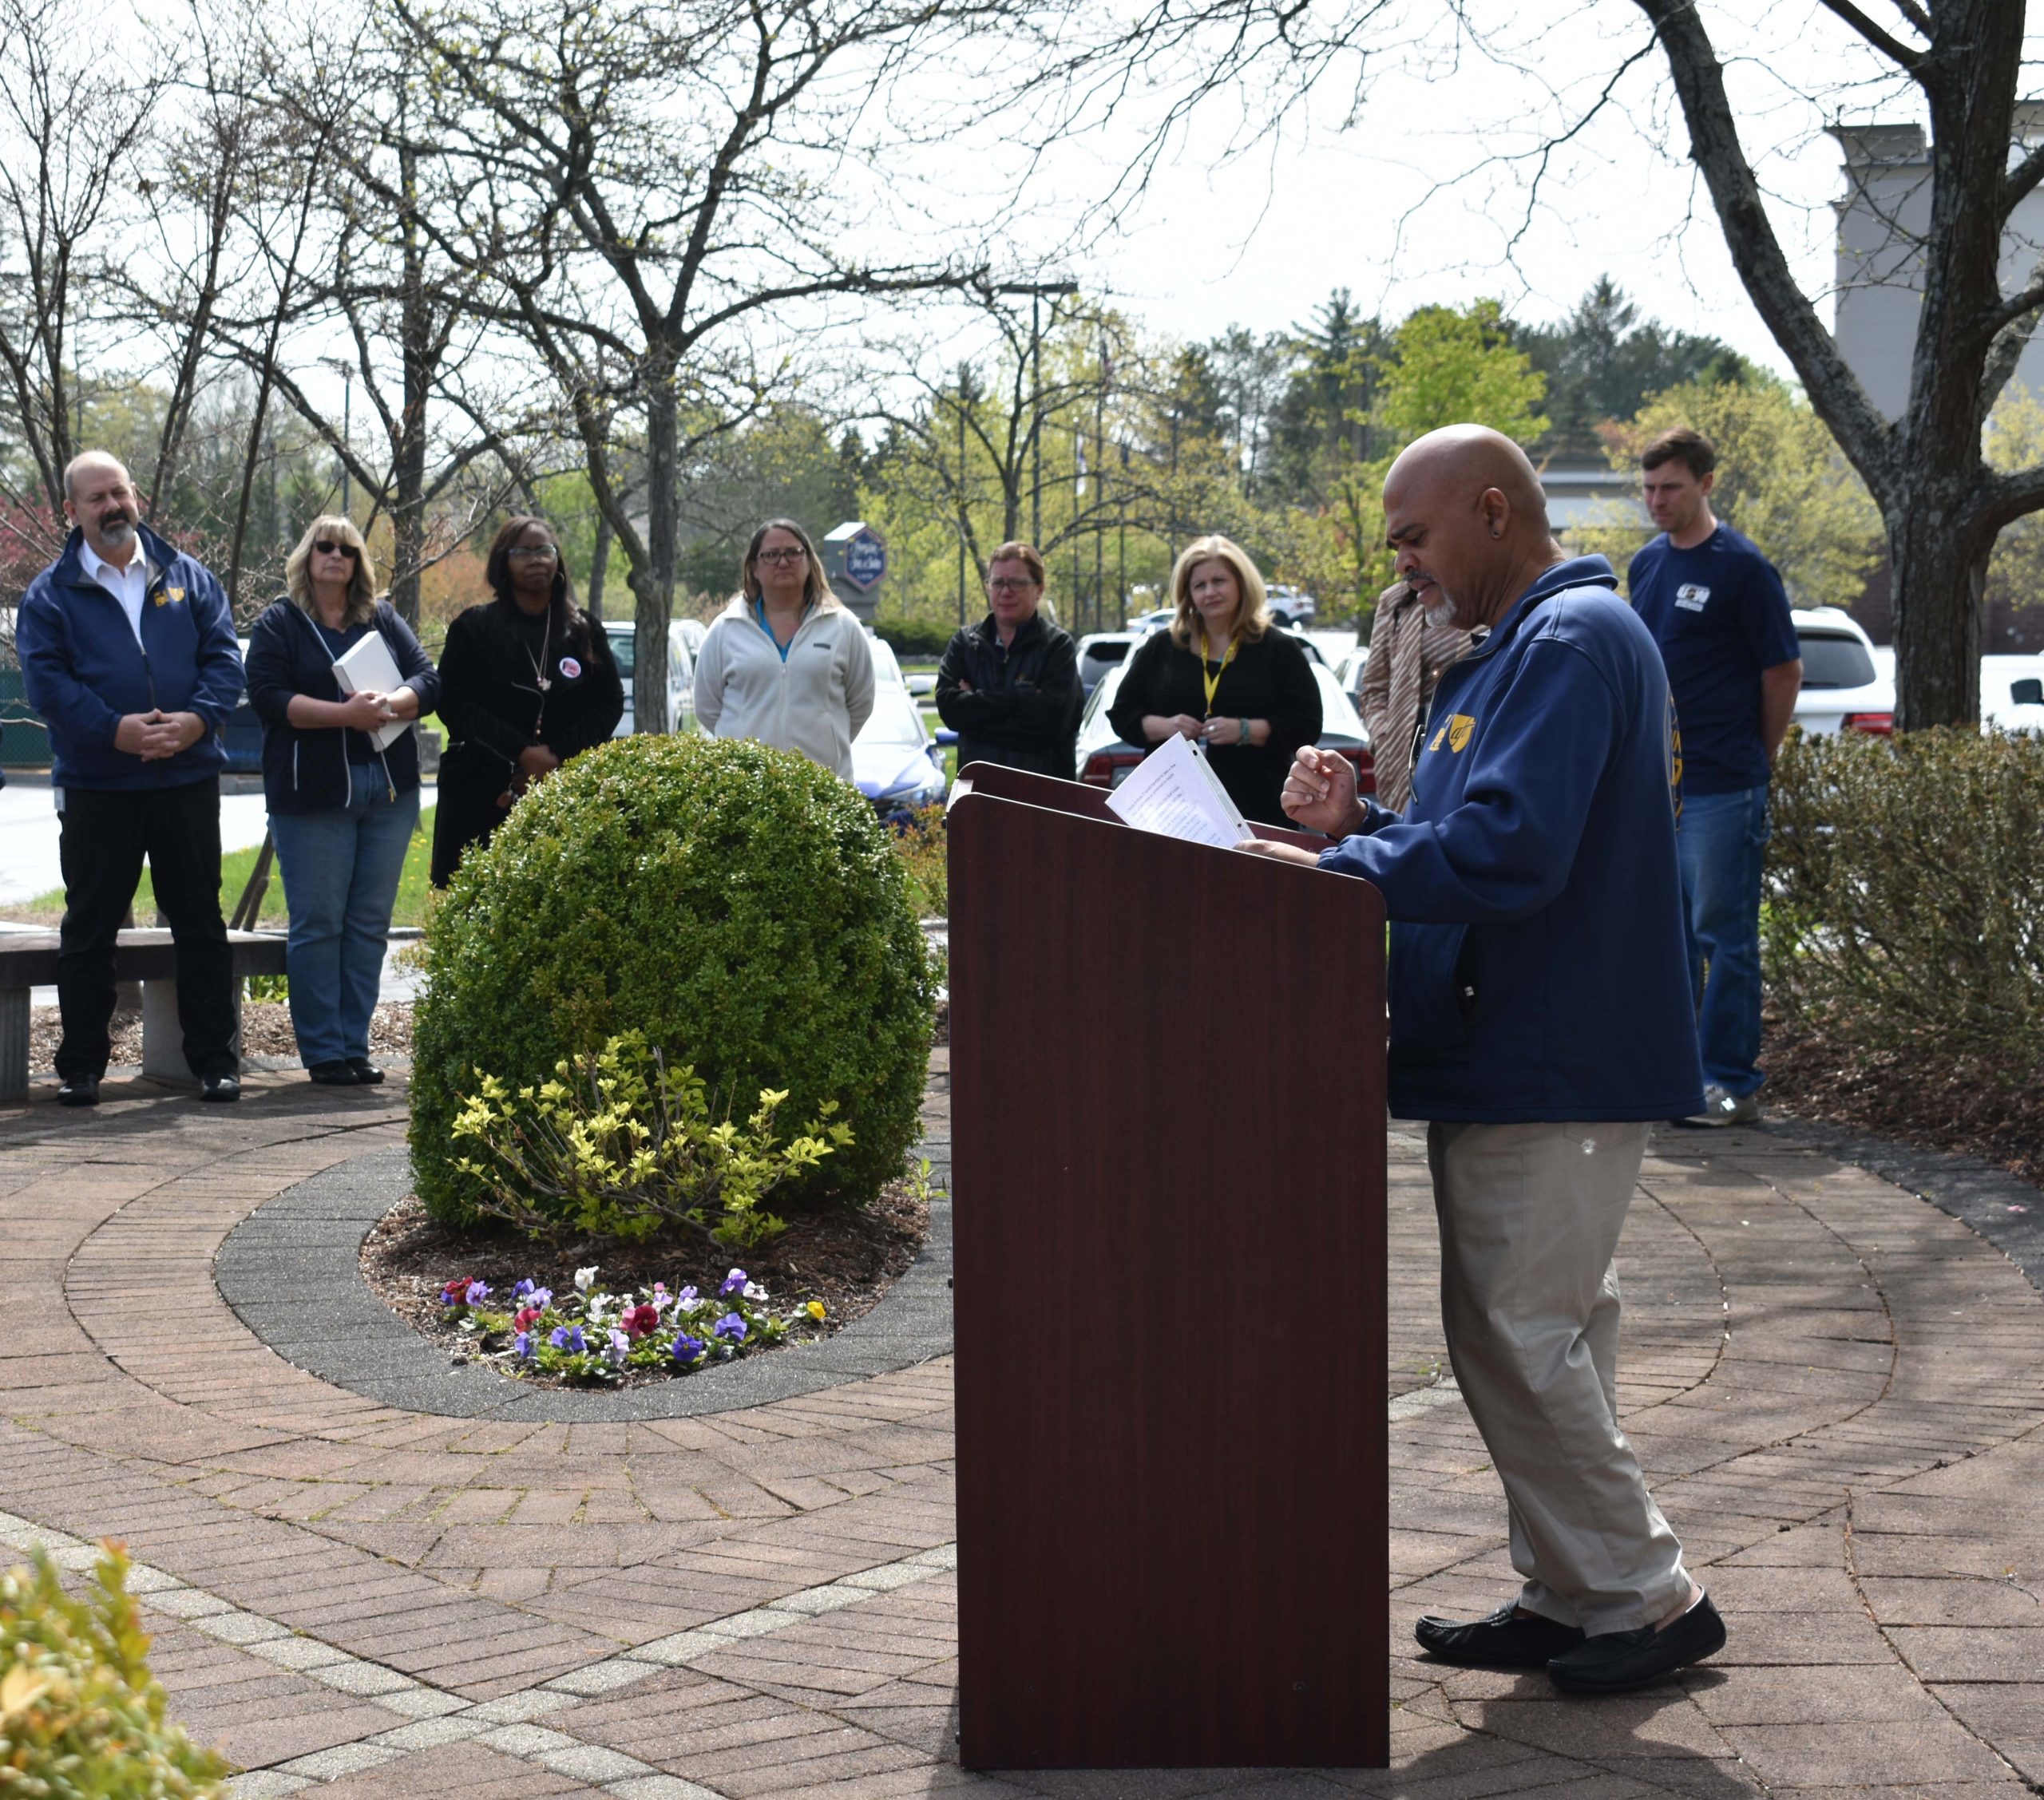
(1458, 728)
(170, 596)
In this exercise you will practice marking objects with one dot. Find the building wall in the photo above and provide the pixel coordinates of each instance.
(1880, 262)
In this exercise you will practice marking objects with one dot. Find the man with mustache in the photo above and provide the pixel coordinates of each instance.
(127, 651)
(1540, 1019)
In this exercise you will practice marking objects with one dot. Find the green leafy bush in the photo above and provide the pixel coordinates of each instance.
(622, 1142)
(738, 906)
(1905, 897)
(81, 1716)
(919, 639)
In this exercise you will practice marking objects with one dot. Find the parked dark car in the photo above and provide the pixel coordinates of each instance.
(1099, 651)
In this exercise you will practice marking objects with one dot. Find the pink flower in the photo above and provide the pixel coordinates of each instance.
(528, 1316)
(456, 1293)
(642, 1321)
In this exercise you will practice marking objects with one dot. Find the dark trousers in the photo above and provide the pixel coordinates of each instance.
(104, 836)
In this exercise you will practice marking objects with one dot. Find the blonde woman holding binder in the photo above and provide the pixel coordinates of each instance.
(338, 677)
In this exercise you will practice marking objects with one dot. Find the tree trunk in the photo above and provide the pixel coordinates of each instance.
(1939, 563)
(654, 591)
(599, 567)
(415, 328)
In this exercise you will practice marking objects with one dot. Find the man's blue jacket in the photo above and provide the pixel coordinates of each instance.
(1538, 967)
(84, 669)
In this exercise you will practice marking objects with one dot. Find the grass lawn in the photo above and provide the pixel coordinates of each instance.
(236, 866)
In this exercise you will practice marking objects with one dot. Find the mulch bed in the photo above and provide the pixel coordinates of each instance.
(266, 1030)
(1895, 1096)
(847, 1257)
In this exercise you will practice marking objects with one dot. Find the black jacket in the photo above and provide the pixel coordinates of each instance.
(494, 708)
(1023, 707)
(1270, 678)
(305, 769)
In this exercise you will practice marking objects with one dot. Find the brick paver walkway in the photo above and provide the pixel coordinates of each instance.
(1836, 1388)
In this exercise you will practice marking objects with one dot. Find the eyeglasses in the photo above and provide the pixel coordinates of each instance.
(781, 558)
(532, 553)
(1006, 586)
(330, 549)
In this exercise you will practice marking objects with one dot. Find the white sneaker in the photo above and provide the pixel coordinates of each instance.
(1721, 1108)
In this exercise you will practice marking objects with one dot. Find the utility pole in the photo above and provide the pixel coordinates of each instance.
(964, 371)
(1037, 292)
(1100, 497)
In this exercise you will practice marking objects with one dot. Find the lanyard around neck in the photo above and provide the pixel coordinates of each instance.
(1212, 682)
(759, 612)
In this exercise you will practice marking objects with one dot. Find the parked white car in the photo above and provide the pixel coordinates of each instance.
(1290, 605)
(681, 675)
(1844, 686)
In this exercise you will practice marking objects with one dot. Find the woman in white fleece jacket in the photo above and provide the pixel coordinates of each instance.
(785, 663)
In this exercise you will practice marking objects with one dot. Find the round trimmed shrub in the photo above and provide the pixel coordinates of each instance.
(740, 906)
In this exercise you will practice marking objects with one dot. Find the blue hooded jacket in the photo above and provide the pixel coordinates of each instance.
(83, 668)
(1538, 967)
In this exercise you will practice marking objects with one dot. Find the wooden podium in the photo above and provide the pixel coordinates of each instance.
(1168, 1156)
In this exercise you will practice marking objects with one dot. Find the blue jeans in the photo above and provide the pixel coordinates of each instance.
(1722, 841)
(341, 869)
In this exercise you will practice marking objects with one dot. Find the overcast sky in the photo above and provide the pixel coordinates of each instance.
(1261, 239)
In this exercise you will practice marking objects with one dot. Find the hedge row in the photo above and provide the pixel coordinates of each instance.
(1905, 899)
(914, 637)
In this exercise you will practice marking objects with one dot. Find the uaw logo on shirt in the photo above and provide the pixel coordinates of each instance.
(170, 596)
(1454, 734)
(1690, 596)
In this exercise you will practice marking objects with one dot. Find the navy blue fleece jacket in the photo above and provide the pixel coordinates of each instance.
(1539, 968)
(84, 668)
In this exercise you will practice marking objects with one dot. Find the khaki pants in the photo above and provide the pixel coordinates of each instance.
(1530, 1217)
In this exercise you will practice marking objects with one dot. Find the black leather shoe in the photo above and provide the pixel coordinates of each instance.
(221, 1087)
(366, 1072)
(79, 1090)
(1507, 1640)
(335, 1074)
(1616, 1661)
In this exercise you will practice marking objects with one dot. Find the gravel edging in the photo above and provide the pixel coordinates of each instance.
(1978, 1193)
(292, 1272)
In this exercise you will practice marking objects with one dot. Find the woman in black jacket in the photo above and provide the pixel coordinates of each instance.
(1220, 676)
(527, 680)
(342, 807)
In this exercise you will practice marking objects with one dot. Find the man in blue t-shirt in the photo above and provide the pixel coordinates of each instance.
(1718, 612)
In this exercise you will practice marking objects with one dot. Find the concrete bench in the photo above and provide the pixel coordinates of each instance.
(29, 959)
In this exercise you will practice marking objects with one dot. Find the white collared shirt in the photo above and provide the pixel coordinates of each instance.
(130, 586)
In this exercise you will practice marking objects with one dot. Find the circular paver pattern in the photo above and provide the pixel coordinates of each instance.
(1838, 1391)
(291, 1271)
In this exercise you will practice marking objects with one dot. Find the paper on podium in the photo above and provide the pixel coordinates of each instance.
(368, 667)
(1174, 790)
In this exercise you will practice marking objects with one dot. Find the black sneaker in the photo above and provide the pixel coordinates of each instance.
(1507, 1640)
(79, 1090)
(220, 1088)
(366, 1074)
(1617, 1662)
(335, 1074)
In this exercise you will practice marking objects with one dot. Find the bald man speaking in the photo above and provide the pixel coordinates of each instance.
(1540, 1017)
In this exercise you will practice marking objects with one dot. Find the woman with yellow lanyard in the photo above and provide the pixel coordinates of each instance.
(1223, 677)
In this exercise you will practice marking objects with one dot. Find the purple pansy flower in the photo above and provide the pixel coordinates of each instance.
(731, 1327)
(686, 1297)
(520, 1292)
(569, 1338)
(478, 1292)
(734, 1283)
(686, 1349)
(620, 1347)
(524, 1346)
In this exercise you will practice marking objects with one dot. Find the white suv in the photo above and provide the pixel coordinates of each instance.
(1844, 686)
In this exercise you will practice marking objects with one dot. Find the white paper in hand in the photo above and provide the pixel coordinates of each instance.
(368, 667)
(1174, 790)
